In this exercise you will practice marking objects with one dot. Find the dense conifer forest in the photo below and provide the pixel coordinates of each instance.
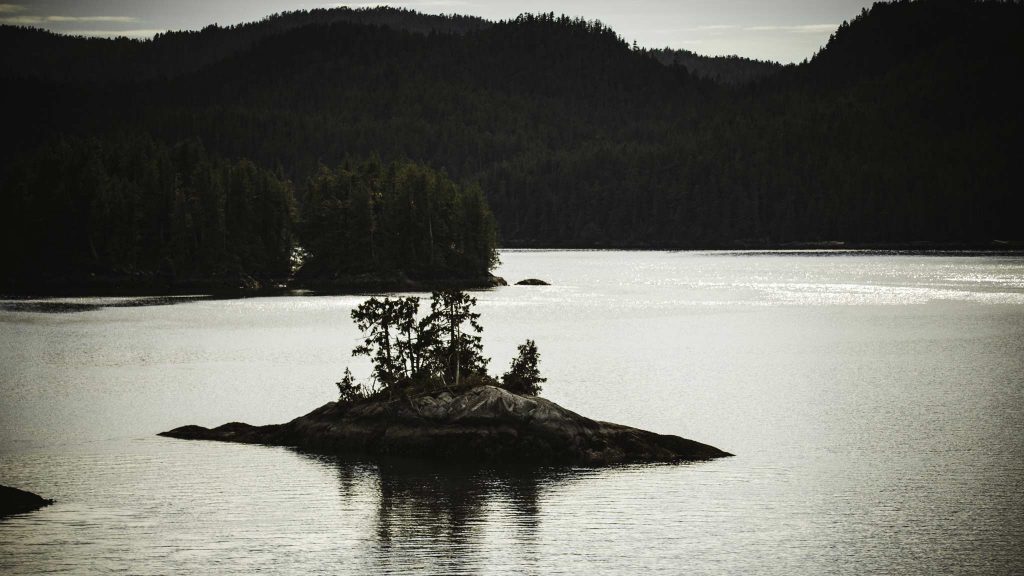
(721, 69)
(365, 217)
(128, 205)
(219, 151)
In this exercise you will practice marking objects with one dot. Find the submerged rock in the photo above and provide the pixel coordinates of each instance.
(532, 282)
(14, 501)
(484, 425)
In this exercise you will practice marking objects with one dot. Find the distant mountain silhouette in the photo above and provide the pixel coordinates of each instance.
(905, 127)
(35, 53)
(724, 69)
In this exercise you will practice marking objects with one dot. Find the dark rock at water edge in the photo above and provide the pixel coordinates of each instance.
(484, 425)
(14, 501)
(532, 282)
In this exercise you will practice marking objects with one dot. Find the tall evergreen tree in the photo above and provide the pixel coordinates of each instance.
(523, 376)
(457, 348)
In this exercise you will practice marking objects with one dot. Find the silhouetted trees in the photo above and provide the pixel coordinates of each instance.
(523, 376)
(733, 70)
(440, 350)
(455, 328)
(379, 321)
(904, 127)
(365, 217)
(348, 390)
(130, 206)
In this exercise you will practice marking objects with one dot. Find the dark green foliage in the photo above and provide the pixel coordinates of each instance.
(128, 209)
(348, 390)
(723, 69)
(383, 324)
(905, 127)
(367, 217)
(523, 377)
(129, 206)
(26, 52)
(440, 349)
(457, 350)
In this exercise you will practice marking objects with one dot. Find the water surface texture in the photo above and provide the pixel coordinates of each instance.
(875, 403)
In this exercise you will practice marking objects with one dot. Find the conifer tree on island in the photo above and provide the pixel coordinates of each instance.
(457, 350)
(523, 377)
(440, 351)
(348, 390)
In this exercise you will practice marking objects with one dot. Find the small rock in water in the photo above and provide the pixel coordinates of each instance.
(14, 501)
(532, 282)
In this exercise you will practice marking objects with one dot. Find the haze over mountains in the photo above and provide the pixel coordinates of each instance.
(905, 127)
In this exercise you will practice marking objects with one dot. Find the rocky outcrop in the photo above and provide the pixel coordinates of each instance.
(484, 425)
(14, 501)
(532, 282)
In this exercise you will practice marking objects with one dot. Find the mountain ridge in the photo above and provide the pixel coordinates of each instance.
(579, 140)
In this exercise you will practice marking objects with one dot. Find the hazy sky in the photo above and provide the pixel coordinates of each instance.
(783, 30)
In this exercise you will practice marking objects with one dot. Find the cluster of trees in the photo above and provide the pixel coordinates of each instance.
(365, 216)
(721, 69)
(131, 206)
(423, 353)
(904, 127)
(127, 208)
(28, 52)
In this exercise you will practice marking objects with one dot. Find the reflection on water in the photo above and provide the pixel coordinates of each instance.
(207, 506)
(423, 509)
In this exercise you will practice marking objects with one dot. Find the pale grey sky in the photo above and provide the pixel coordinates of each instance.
(783, 30)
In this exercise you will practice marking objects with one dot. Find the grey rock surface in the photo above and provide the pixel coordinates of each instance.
(483, 425)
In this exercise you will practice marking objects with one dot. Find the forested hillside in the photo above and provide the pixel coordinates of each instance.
(722, 69)
(906, 127)
(28, 52)
(128, 205)
(128, 213)
(363, 217)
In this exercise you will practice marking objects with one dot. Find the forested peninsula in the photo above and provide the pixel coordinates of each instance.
(128, 213)
(340, 146)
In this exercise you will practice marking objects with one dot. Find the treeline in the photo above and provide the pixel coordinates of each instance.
(415, 353)
(903, 128)
(130, 206)
(722, 69)
(33, 53)
(364, 217)
(129, 211)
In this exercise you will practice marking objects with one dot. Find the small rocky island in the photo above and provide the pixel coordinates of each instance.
(484, 424)
(431, 397)
(14, 501)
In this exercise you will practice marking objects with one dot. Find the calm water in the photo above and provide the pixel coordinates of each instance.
(875, 403)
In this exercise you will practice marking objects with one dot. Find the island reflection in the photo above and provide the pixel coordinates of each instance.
(422, 507)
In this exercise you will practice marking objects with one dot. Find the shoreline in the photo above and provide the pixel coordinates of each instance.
(17, 501)
(144, 285)
(922, 246)
(130, 286)
(483, 425)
